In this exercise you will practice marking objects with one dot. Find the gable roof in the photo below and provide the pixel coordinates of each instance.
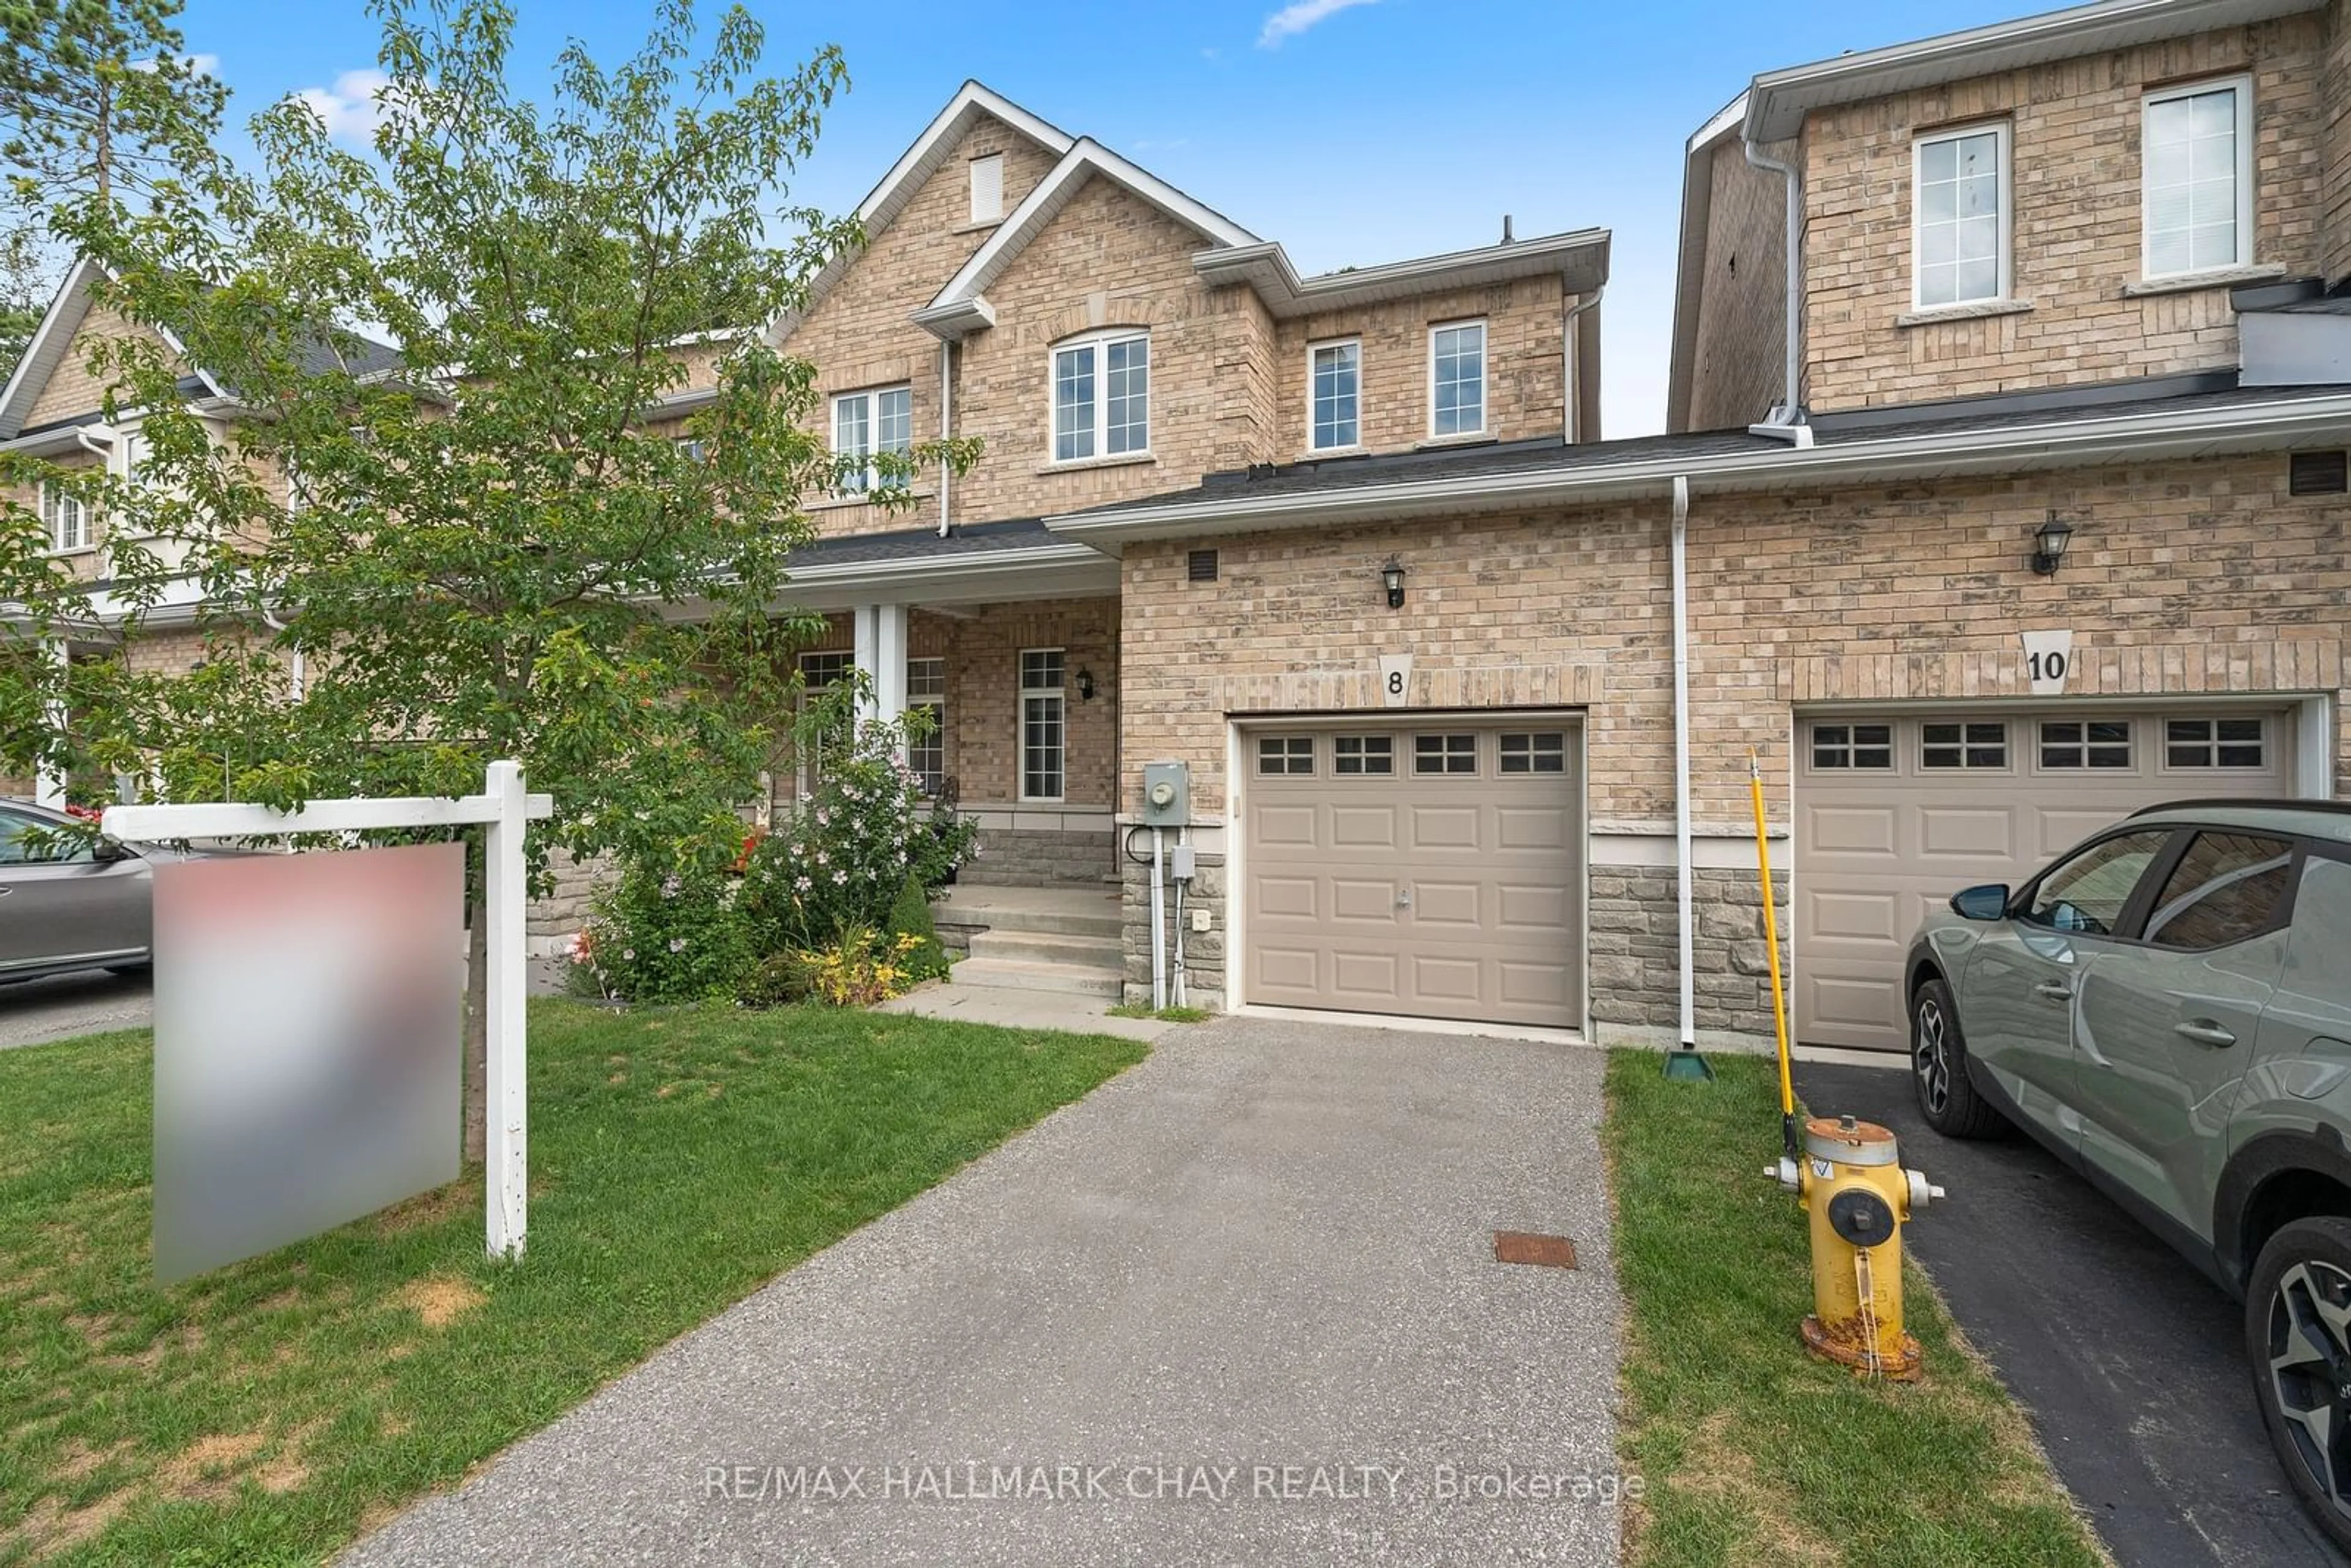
(972, 102)
(961, 307)
(52, 339)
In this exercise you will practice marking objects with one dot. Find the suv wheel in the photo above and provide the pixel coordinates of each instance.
(1938, 1068)
(2298, 1338)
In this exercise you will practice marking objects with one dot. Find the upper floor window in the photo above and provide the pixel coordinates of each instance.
(1102, 397)
(67, 518)
(2197, 178)
(867, 422)
(987, 188)
(1457, 379)
(1959, 194)
(1335, 390)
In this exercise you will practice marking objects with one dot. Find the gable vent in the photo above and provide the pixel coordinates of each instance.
(2319, 474)
(987, 188)
(1203, 566)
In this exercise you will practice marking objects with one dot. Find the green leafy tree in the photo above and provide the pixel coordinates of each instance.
(497, 545)
(97, 102)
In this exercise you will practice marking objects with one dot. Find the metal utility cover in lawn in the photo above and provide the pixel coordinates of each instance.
(308, 1019)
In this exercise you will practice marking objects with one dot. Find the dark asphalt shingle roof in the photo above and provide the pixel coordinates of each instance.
(968, 541)
(1553, 454)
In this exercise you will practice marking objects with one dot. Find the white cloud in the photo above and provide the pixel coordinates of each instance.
(1300, 14)
(353, 108)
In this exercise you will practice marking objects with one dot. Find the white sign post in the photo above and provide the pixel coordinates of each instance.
(507, 810)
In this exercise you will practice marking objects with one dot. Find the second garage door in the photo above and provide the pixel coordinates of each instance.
(1896, 812)
(1433, 870)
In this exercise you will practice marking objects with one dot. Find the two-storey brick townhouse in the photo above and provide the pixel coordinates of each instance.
(2005, 493)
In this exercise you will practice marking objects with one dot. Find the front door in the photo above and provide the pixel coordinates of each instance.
(2024, 983)
(2168, 1023)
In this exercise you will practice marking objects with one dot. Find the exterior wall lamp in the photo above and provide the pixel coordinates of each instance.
(2049, 542)
(1085, 686)
(1392, 575)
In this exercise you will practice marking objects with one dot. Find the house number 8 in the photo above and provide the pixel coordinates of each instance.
(1395, 683)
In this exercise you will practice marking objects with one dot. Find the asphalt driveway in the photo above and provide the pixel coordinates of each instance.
(1240, 1305)
(2127, 1358)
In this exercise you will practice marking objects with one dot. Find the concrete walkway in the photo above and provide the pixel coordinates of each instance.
(1024, 1010)
(1239, 1306)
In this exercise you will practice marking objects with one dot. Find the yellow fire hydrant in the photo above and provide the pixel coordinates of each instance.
(1852, 1184)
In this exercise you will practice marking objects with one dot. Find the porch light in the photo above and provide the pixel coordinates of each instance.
(2049, 542)
(1085, 686)
(1392, 575)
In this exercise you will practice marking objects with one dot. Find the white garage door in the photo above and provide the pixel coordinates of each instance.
(1896, 812)
(1432, 870)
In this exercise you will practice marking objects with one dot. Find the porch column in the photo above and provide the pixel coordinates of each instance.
(49, 785)
(882, 656)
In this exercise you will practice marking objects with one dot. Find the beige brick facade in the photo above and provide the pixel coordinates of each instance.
(1737, 365)
(2186, 579)
(2076, 225)
(2334, 101)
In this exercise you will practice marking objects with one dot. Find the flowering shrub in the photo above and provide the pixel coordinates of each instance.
(853, 844)
(667, 936)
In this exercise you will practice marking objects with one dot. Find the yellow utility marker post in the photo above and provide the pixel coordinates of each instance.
(1771, 956)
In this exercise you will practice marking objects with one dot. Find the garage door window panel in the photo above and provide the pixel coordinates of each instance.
(1449, 754)
(2226, 888)
(2195, 744)
(2090, 892)
(1280, 755)
(1541, 751)
(1845, 747)
(2086, 744)
(1362, 754)
(1973, 747)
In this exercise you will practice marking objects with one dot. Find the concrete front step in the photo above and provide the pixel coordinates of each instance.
(1019, 975)
(1106, 953)
(1081, 916)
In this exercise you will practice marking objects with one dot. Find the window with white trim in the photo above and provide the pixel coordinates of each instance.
(67, 518)
(987, 188)
(1959, 203)
(867, 422)
(1042, 730)
(2215, 743)
(819, 671)
(926, 688)
(1457, 379)
(2196, 177)
(1102, 397)
(1334, 394)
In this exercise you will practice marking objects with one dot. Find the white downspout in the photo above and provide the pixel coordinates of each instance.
(1787, 421)
(946, 428)
(1573, 369)
(1683, 870)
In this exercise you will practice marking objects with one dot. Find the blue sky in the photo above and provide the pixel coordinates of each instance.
(1354, 132)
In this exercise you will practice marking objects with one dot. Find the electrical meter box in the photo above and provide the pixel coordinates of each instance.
(1166, 795)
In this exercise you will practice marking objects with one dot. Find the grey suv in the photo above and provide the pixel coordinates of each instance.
(2168, 1008)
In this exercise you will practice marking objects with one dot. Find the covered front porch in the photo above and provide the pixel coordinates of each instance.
(1008, 638)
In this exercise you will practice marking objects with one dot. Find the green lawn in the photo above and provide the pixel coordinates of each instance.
(271, 1411)
(1750, 1451)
